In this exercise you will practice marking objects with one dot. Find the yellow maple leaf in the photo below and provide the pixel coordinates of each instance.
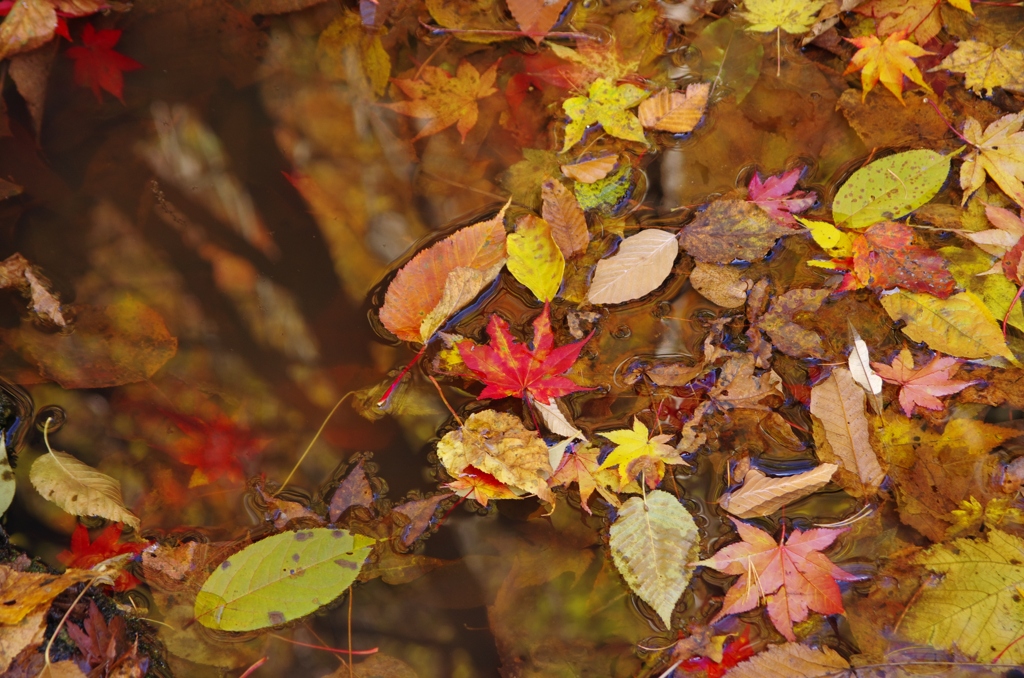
(887, 61)
(998, 152)
(985, 67)
(606, 104)
(792, 16)
(636, 452)
(445, 100)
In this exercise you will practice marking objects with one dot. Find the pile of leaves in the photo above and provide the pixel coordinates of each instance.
(734, 332)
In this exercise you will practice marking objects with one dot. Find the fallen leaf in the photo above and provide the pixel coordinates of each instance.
(884, 257)
(890, 188)
(84, 555)
(839, 403)
(921, 387)
(460, 288)
(567, 221)
(98, 66)
(536, 17)
(762, 496)
(729, 230)
(1009, 229)
(731, 58)
(606, 195)
(7, 480)
(860, 364)
(481, 486)
(580, 466)
(64, 669)
(419, 286)
(674, 111)
(652, 540)
(280, 579)
(499, 445)
(23, 593)
(79, 489)
(960, 326)
(102, 643)
(444, 100)
(509, 368)
(534, 258)
(996, 152)
(420, 513)
(786, 334)
(346, 37)
(591, 170)
(27, 633)
(776, 195)
(30, 24)
(556, 421)
(737, 387)
(975, 606)
(606, 104)
(985, 67)
(353, 491)
(921, 18)
(642, 263)
(792, 660)
(837, 244)
(721, 285)
(792, 16)
(973, 270)
(637, 451)
(793, 577)
(887, 61)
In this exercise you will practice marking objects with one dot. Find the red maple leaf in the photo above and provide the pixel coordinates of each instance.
(775, 195)
(98, 66)
(84, 555)
(735, 651)
(885, 257)
(792, 576)
(214, 447)
(922, 386)
(509, 368)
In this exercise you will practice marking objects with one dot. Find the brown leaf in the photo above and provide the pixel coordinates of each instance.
(8, 189)
(762, 496)
(419, 285)
(738, 387)
(563, 214)
(27, 633)
(721, 285)
(838, 402)
(353, 491)
(119, 344)
(29, 24)
(419, 512)
(780, 323)
(675, 112)
(793, 660)
(22, 593)
(589, 171)
(398, 568)
(17, 272)
(82, 7)
(31, 74)
(729, 230)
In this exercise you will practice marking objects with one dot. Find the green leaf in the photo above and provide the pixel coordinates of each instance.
(975, 607)
(281, 578)
(890, 188)
(652, 541)
(960, 326)
(605, 193)
(607, 104)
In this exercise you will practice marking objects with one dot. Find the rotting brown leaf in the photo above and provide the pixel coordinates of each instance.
(780, 323)
(838, 402)
(729, 230)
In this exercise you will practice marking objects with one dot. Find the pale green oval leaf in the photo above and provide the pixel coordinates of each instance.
(281, 578)
(890, 188)
(652, 542)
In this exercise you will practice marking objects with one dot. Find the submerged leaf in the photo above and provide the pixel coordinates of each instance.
(890, 188)
(642, 263)
(652, 541)
(79, 489)
(280, 579)
(675, 112)
(444, 100)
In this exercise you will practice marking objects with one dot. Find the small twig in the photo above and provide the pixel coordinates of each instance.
(311, 442)
(445, 400)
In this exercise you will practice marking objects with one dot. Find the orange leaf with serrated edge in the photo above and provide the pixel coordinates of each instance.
(419, 285)
(792, 576)
(536, 17)
(921, 387)
(562, 212)
(885, 257)
(887, 61)
(445, 100)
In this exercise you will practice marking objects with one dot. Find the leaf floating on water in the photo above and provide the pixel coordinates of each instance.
(534, 259)
(721, 285)
(975, 607)
(563, 214)
(839, 403)
(788, 336)
(729, 230)
(652, 543)
(353, 491)
(675, 112)
(606, 104)
(859, 363)
(280, 579)
(642, 263)
(985, 67)
(79, 489)
(460, 288)
(923, 386)
(960, 326)
(762, 496)
(24, 592)
(996, 152)
(792, 16)
(792, 660)
(589, 171)
(884, 257)
(890, 188)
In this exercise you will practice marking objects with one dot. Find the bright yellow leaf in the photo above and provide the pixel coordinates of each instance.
(836, 243)
(792, 16)
(998, 152)
(534, 259)
(985, 67)
(637, 451)
(608, 105)
(887, 61)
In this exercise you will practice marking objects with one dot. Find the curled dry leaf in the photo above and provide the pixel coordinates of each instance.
(859, 363)
(562, 212)
(79, 489)
(722, 285)
(499, 445)
(839, 403)
(762, 496)
(589, 171)
(642, 263)
(675, 112)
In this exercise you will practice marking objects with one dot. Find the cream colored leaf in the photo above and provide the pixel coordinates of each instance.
(642, 263)
(29, 24)
(721, 285)
(793, 660)
(762, 496)
(859, 363)
(80, 489)
(461, 287)
(552, 416)
(839, 403)
(675, 112)
(652, 542)
(589, 171)
(996, 152)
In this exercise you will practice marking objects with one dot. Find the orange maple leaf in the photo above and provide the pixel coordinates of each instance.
(922, 386)
(887, 61)
(445, 100)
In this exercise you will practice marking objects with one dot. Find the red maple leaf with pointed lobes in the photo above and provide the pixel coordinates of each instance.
(921, 387)
(84, 555)
(98, 66)
(509, 368)
(214, 447)
(775, 195)
(792, 576)
(735, 651)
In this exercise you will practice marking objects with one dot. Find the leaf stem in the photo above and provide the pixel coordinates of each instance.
(387, 394)
(1013, 303)
(311, 442)
(60, 625)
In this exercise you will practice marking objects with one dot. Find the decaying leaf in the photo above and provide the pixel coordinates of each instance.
(16, 272)
(444, 100)
(652, 540)
(996, 152)
(730, 230)
(762, 496)
(985, 67)
(921, 387)
(960, 326)
(675, 112)
(534, 258)
(721, 285)
(792, 660)
(79, 489)
(642, 263)
(22, 593)
(884, 257)
(839, 403)
(29, 24)
(25, 634)
(498, 444)
(281, 578)
(354, 490)
(420, 513)
(606, 104)
(975, 606)
(567, 221)
(780, 322)
(419, 286)
(890, 188)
